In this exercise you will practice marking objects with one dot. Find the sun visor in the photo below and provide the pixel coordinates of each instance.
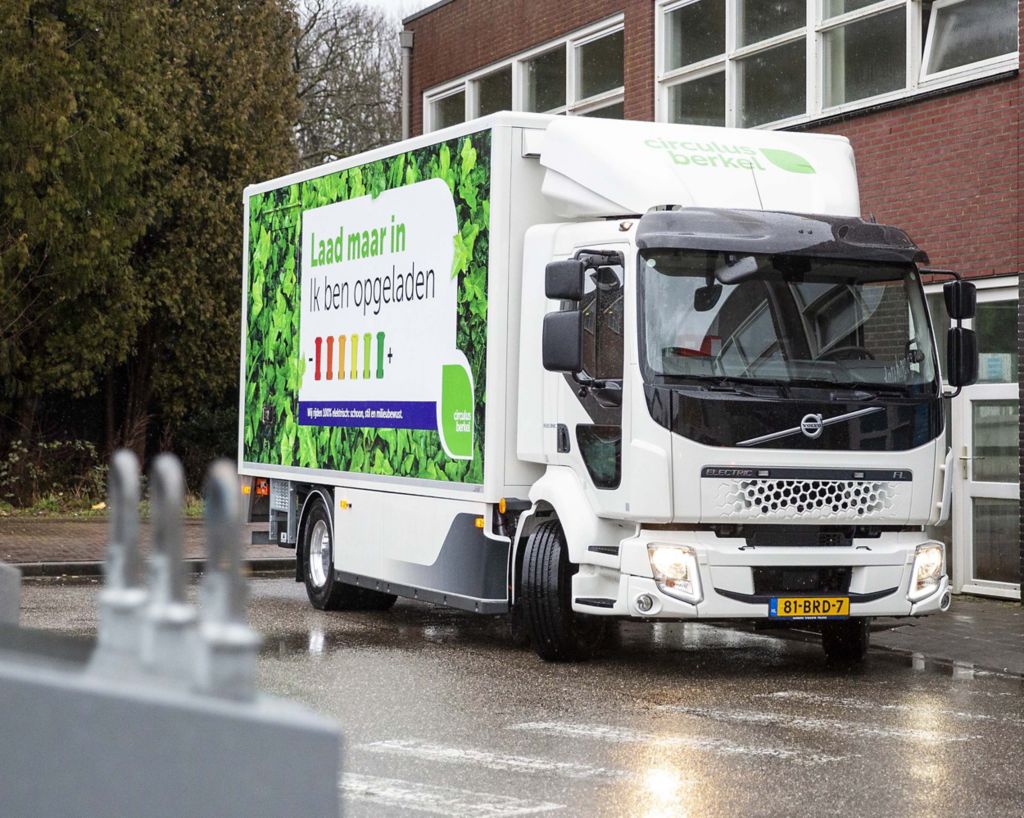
(601, 167)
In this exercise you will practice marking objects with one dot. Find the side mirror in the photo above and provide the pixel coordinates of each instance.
(961, 356)
(562, 341)
(961, 299)
(563, 280)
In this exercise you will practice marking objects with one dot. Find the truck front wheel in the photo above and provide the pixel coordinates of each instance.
(556, 631)
(846, 640)
(325, 591)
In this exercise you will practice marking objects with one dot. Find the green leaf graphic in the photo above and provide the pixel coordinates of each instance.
(787, 160)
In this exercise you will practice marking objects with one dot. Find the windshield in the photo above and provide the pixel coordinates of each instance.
(789, 319)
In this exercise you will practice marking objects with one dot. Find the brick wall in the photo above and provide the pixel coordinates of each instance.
(946, 170)
(466, 35)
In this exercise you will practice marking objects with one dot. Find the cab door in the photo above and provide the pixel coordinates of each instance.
(589, 433)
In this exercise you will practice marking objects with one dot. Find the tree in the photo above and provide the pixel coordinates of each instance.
(235, 100)
(84, 126)
(347, 61)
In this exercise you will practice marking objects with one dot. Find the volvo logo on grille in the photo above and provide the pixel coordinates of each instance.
(812, 426)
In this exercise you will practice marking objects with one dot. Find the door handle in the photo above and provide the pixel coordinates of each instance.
(964, 458)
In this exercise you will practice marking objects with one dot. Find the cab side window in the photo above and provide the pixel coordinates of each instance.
(602, 306)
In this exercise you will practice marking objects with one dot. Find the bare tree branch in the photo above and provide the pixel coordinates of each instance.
(347, 60)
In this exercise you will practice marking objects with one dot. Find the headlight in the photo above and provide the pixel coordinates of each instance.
(929, 568)
(675, 571)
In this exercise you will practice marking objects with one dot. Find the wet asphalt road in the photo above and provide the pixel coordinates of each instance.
(442, 715)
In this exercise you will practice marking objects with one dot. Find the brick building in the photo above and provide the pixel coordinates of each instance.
(929, 94)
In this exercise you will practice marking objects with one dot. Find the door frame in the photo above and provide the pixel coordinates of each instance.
(1000, 288)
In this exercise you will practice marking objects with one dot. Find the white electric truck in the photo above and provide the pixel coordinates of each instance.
(575, 370)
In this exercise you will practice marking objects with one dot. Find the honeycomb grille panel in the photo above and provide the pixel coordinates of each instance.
(806, 499)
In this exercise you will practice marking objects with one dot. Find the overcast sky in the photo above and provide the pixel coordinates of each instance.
(398, 8)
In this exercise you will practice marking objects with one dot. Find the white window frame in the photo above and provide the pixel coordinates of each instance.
(813, 32)
(570, 43)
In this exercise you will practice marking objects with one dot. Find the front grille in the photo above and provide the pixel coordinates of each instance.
(806, 499)
(795, 580)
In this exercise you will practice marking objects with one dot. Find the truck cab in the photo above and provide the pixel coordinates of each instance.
(741, 418)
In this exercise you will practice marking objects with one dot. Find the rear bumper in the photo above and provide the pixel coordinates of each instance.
(880, 571)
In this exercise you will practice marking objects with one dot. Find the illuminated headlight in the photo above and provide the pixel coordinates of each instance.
(675, 571)
(929, 567)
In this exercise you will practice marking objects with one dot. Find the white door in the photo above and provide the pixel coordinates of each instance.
(985, 429)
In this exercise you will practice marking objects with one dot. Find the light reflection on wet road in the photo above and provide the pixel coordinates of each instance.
(442, 715)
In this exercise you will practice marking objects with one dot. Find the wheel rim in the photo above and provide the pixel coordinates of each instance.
(319, 553)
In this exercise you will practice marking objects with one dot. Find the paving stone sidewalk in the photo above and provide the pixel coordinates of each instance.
(987, 634)
(25, 540)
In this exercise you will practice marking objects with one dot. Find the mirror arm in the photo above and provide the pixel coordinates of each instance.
(935, 271)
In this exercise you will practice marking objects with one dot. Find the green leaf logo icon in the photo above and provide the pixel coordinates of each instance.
(787, 160)
(456, 412)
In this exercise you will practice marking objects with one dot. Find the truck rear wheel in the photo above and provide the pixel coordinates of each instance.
(558, 633)
(325, 591)
(846, 640)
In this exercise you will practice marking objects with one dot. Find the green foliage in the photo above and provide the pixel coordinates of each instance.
(274, 365)
(128, 132)
(84, 123)
(56, 473)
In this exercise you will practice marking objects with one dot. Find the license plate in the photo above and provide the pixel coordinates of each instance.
(802, 607)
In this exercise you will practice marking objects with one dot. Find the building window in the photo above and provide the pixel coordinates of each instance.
(544, 78)
(599, 68)
(449, 110)
(494, 92)
(865, 57)
(964, 32)
(749, 63)
(581, 74)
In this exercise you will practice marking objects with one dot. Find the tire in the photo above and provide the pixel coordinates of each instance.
(557, 633)
(325, 591)
(846, 641)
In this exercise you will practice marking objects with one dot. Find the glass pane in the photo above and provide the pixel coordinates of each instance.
(602, 307)
(996, 325)
(866, 58)
(940, 326)
(772, 84)
(694, 33)
(996, 553)
(971, 31)
(601, 450)
(614, 111)
(494, 92)
(994, 425)
(761, 19)
(698, 102)
(599, 66)
(545, 81)
(833, 8)
(450, 110)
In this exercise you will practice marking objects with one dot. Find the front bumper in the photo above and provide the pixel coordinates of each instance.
(880, 577)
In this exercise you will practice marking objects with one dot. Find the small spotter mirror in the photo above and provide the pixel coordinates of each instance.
(563, 280)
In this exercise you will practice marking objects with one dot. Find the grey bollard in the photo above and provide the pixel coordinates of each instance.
(123, 597)
(227, 647)
(10, 594)
(169, 621)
